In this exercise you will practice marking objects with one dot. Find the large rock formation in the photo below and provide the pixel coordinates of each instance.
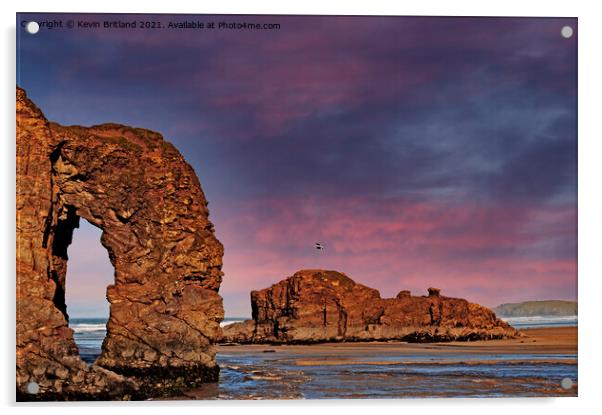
(324, 306)
(165, 308)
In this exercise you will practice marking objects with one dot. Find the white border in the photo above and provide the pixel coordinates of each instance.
(590, 202)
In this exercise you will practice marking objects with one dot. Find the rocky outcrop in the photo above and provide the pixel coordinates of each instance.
(327, 306)
(165, 308)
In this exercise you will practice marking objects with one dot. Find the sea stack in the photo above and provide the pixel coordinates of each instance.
(315, 306)
(165, 309)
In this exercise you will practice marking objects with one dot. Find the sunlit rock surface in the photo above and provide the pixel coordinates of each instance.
(165, 308)
(327, 306)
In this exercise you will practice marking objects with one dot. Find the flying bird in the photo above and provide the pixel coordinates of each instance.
(319, 246)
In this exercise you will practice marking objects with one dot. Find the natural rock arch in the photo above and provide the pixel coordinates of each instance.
(165, 308)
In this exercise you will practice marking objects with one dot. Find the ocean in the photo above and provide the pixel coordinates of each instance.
(541, 321)
(270, 372)
(90, 332)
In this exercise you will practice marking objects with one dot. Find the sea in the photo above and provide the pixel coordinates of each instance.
(89, 333)
(541, 321)
(275, 373)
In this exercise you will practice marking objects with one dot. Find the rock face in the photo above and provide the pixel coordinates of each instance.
(327, 306)
(165, 308)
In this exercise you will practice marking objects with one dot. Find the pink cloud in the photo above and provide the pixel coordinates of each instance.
(489, 254)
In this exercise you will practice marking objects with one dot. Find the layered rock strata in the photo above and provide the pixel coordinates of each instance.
(327, 306)
(165, 308)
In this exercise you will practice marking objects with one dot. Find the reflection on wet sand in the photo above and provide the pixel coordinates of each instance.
(531, 366)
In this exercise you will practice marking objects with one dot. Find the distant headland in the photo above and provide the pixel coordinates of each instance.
(537, 308)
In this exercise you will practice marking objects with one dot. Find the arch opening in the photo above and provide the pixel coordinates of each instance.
(89, 272)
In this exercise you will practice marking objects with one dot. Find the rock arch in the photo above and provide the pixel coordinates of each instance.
(165, 308)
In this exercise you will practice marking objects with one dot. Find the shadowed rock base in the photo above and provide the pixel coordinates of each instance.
(316, 306)
(156, 382)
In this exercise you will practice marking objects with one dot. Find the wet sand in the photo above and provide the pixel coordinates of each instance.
(533, 365)
(556, 340)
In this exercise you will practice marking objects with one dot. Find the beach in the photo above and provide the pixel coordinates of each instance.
(533, 365)
(537, 341)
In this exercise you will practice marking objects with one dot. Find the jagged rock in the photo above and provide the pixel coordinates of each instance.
(324, 306)
(165, 308)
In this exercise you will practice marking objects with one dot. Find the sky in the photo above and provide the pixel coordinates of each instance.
(420, 151)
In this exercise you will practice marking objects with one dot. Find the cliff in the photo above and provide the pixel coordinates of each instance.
(327, 306)
(537, 308)
(165, 308)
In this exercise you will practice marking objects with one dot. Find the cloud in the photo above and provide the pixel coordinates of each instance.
(397, 244)
(418, 148)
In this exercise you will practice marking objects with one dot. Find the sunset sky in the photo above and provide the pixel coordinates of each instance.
(420, 151)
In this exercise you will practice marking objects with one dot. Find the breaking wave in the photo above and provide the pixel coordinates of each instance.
(541, 321)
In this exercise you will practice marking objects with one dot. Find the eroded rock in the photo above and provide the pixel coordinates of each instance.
(327, 306)
(165, 308)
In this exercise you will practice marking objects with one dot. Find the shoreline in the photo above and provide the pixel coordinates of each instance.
(533, 365)
(546, 340)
